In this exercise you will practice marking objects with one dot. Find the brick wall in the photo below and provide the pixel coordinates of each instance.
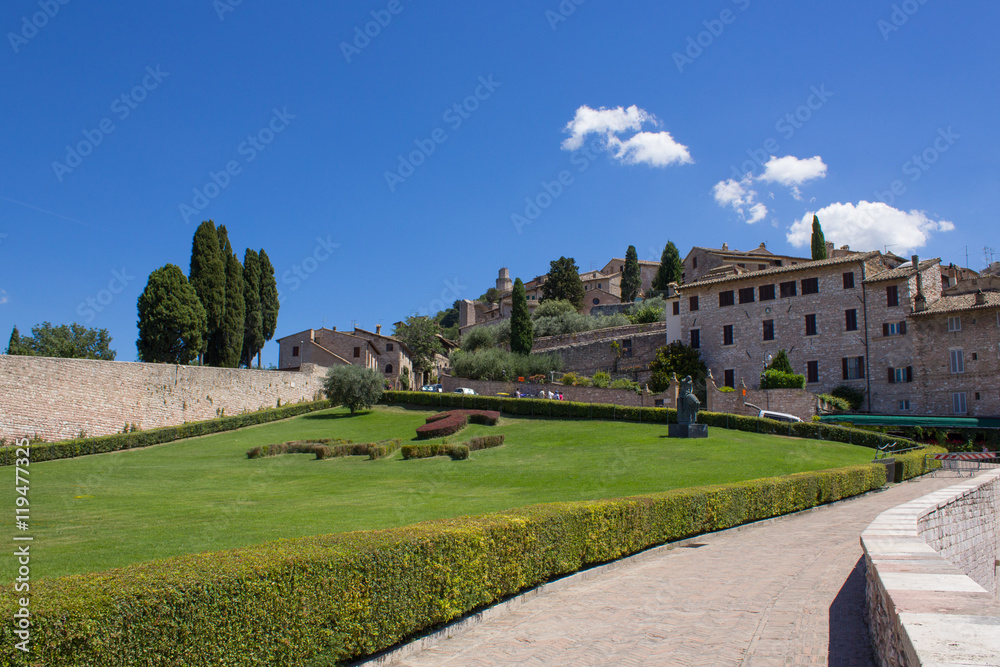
(56, 399)
(580, 394)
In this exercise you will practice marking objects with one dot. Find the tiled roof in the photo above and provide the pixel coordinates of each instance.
(901, 271)
(960, 302)
(777, 270)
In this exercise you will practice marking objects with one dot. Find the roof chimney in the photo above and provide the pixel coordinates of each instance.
(919, 301)
(725, 246)
(378, 329)
(916, 262)
(333, 328)
(980, 298)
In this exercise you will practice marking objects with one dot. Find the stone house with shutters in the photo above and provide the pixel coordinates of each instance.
(393, 359)
(702, 262)
(325, 347)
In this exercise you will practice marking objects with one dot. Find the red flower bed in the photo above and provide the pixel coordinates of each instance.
(453, 421)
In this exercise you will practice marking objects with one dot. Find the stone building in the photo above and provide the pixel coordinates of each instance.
(393, 358)
(647, 271)
(326, 347)
(701, 262)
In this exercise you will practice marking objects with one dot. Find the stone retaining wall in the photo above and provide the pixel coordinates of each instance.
(799, 402)
(570, 393)
(931, 585)
(58, 399)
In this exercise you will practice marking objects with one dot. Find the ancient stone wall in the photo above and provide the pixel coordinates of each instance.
(570, 393)
(57, 399)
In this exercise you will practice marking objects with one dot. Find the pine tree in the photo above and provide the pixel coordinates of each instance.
(14, 345)
(631, 276)
(520, 321)
(818, 241)
(781, 363)
(269, 304)
(208, 278)
(670, 269)
(253, 327)
(229, 344)
(172, 320)
(563, 282)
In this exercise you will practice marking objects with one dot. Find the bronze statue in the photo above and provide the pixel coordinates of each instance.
(687, 403)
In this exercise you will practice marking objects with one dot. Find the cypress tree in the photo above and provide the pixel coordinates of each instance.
(14, 346)
(208, 278)
(230, 341)
(268, 300)
(563, 282)
(670, 269)
(818, 240)
(253, 327)
(172, 320)
(631, 276)
(521, 337)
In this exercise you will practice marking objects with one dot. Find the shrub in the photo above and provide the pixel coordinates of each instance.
(496, 364)
(354, 387)
(623, 383)
(456, 452)
(582, 381)
(854, 397)
(119, 441)
(835, 401)
(601, 379)
(453, 421)
(726, 389)
(569, 379)
(775, 379)
(485, 442)
(354, 594)
(327, 448)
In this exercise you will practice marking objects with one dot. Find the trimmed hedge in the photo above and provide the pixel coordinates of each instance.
(485, 442)
(456, 452)
(913, 464)
(339, 597)
(49, 451)
(568, 409)
(328, 448)
(446, 423)
(293, 447)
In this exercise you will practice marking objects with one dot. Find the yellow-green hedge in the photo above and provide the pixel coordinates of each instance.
(353, 594)
(913, 464)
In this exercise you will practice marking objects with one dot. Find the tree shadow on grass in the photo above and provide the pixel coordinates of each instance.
(849, 640)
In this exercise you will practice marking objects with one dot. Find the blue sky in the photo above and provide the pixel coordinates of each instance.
(580, 128)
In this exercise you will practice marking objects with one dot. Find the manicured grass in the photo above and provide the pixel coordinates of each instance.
(99, 512)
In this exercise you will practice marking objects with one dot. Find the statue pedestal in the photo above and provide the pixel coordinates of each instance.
(687, 430)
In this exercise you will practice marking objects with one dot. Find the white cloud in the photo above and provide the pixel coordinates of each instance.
(869, 226)
(657, 149)
(3, 297)
(791, 171)
(741, 197)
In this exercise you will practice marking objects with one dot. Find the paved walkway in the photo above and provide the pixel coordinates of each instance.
(783, 592)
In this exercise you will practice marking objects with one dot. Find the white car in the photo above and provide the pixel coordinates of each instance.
(431, 387)
(464, 390)
(778, 416)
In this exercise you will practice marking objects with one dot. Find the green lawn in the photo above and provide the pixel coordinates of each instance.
(99, 512)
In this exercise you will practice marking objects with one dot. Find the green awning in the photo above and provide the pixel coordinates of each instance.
(903, 420)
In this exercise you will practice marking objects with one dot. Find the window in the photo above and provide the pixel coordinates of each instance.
(658, 403)
(892, 295)
(787, 289)
(696, 338)
(851, 319)
(693, 303)
(726, 298)
(357, 352)
(627, 348)
(677, 307)
(388, 347)
(388, 369)
(812, 371)
(761, 267)
(900, 375)
(596, 301)
(958, 403)
(944, 282)
(694, 262)
(977, 395)
(954, 324)
(768, 329)
(766, 292)
(811, 325)
(746, 295)
(729, 377)
(727, 334)
(295, 351)
(957, 362)
(849, 280)
(975, 356)
(904, 404)
(854, 368)
(810, 286)
(893, 328)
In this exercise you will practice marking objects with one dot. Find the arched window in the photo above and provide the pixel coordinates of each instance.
(388, 369)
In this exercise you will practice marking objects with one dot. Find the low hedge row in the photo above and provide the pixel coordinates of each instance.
(913, 464)
(485, 442)
(447, 423)
(48, 451)
(328, 448)
(338, 597)
(574, 410)
(456, 452)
